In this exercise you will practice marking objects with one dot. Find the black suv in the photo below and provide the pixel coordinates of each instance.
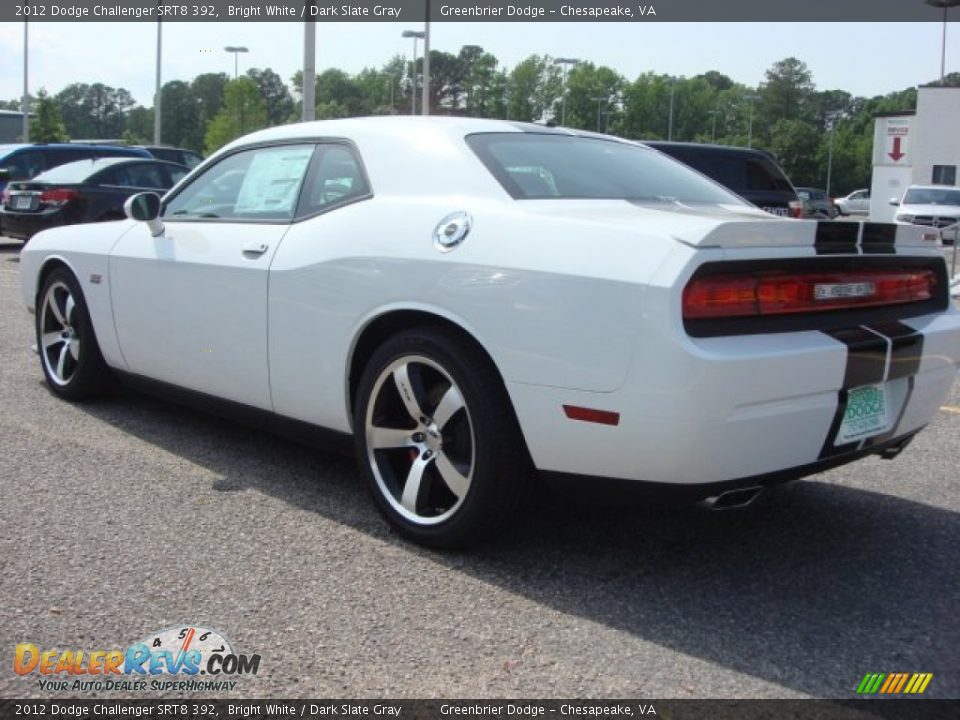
(752, 174)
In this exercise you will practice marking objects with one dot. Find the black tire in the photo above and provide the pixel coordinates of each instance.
(72, 365)
(481, 441)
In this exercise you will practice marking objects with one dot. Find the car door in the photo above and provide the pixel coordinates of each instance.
(190, 305)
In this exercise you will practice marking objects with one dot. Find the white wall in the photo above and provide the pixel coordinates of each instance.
(936, 132)
(888, 182)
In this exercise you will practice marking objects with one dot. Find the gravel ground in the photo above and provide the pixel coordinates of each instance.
(130, 515)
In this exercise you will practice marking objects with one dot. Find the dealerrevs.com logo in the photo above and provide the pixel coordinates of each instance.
(169, 660)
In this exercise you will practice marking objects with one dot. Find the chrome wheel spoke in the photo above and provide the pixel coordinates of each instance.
(55, 309)
(401, 376)
(62, 360)
(449, 404)
(455, 480)
(384, 438)
(411, 488)
(68, 308)
(74, 346)
(50, 339)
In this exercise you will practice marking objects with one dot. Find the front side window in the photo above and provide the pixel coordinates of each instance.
(535, 166)
(256, 184)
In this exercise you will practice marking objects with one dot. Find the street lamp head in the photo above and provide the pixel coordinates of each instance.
(236, 49)
(413, 34)
(943, 3)
(566, 61)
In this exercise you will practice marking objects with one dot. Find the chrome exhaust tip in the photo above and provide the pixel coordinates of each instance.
(741, 497)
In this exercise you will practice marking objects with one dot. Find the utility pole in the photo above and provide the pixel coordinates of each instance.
(157, 94)
(25, 102)
(425, 101)
(309, 76)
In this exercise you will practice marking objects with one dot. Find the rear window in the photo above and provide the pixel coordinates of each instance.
(537, 166)
(74, 172)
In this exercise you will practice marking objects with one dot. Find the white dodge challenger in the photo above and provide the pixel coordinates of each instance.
(477, 300)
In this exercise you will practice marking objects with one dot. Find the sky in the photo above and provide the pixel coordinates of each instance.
(862, 58)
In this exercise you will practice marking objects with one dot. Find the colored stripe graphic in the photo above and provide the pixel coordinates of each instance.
(894, 683)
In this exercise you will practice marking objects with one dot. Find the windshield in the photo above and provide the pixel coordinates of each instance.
(932, 196)
(535, 166)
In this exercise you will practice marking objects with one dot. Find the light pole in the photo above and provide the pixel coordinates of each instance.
(157, 95)
(832, 119)
(751, 99)
(236, 50)
(599, 100)
(25, 102)
(673, 87)
(425, 103)
(713, 132)
(416, 35)
(566, 62)
(308, 80)
(943, 44)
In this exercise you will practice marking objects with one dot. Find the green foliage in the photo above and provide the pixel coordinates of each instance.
(47, 124)
(243, 112)
(786, 113)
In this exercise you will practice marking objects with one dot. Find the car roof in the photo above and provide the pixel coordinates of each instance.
(932, 187)
(418, 128)
(95, 165)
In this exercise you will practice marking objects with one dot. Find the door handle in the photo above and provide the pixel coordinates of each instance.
(255, 248)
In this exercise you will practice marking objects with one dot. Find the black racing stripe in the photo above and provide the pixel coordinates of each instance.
(866, 356)
(879, 238)
(866, 364)
(836, 238)
(906, 350)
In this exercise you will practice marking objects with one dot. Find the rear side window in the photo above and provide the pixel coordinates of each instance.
(536, 166)
(336, 178)
(138, 175)
(24, 165)
(763, 174)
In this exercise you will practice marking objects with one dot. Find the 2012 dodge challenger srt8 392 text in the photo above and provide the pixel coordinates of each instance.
(475, 300)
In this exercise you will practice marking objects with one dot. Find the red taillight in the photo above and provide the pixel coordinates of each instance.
(58, 196)
(796, 209)
(723, 296)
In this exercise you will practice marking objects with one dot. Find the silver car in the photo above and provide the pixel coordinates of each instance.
(856, 203)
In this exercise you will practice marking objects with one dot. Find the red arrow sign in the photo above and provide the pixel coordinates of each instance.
(896, 154)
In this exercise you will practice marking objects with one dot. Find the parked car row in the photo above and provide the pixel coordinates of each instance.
(44, 185)
(82, 191)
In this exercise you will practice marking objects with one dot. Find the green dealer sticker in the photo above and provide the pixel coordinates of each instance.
(867, 414)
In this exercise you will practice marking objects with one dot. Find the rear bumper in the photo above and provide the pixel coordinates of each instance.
(25, 225)
(737, 409)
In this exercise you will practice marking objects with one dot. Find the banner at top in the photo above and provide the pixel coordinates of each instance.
(476, 11)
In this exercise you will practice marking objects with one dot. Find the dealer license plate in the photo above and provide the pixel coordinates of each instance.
(867, 414)
(22, 202)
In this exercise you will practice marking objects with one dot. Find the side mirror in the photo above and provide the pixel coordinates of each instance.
(5, 175)
(145, 207)
(894, 201)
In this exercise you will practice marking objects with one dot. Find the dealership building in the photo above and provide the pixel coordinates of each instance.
(919, 147)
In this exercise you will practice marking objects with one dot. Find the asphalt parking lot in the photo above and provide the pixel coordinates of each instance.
(130, 515)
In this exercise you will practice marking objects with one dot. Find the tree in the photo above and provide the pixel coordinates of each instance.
(207, 90)
(180, 116)
(593, 97)
(47, 125)
(243, 112)
(274, 93)
(535, 87)
(787, 93)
